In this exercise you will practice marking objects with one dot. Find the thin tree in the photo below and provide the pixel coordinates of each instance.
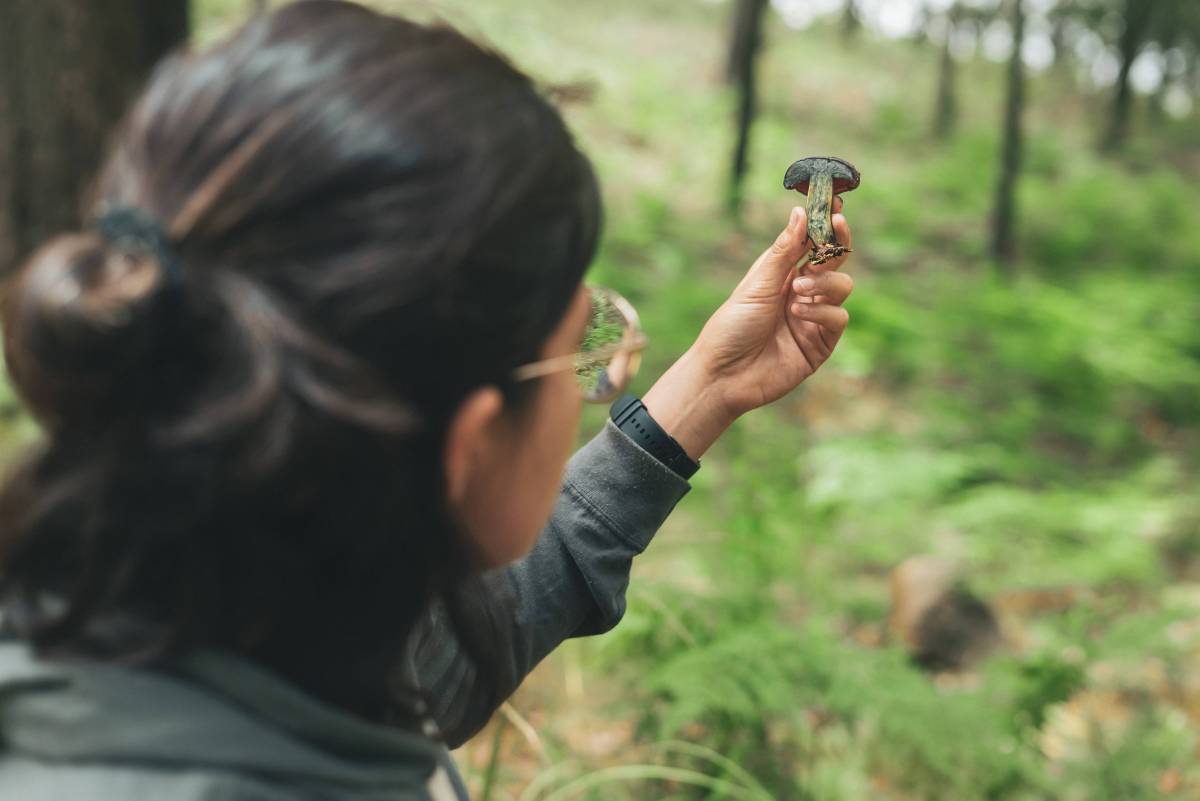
(945, 112)
(851, 20)
(1158, 102)
(1003, 245)
(1061, 16)
(745, 44)
(920, 31)
(1058, 38)
(1191, 73)
(1176, 30)
(1136, 18)
(68, 69)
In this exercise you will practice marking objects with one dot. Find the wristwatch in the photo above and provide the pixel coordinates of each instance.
(631, 416)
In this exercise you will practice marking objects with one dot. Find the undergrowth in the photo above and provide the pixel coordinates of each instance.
(1037, 422)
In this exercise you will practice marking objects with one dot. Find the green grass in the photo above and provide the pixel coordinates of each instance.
(1038, 423)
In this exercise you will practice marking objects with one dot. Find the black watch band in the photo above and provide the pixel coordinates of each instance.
(630, 415)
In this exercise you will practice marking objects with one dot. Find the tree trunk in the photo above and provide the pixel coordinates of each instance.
(1158, 102)
(1136, 19)
(1174, 28)
(945, 112)
(920, 33)
(1191, 74)
(743, 58)
(1004, 215)
(851, 20)
(68, 69)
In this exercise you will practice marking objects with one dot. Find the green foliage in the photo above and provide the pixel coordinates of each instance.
(807, 688)
(1036, 425)
(1040, 426)
(1042, 682)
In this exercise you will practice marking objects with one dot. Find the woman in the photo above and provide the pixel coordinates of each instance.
(308, 385)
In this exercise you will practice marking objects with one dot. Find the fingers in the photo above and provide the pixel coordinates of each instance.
(790, 246)
(831, 288)
(815, 315)
(842, 229)
(828, 316)
(767, 274)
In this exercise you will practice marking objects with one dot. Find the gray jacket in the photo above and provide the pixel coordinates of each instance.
(226, 730)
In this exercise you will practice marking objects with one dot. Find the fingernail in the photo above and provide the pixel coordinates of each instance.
(794, 219)
(804, 284)
(797, 309)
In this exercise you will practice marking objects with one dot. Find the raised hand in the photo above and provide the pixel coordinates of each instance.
(778, 326)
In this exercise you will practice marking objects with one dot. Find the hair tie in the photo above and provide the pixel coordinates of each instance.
(130, 227)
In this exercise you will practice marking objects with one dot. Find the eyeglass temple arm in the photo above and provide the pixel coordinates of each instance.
(568, 362)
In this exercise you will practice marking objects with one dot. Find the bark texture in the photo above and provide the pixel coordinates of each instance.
(68, 70)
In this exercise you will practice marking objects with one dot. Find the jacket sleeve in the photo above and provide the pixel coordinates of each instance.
(613, 500)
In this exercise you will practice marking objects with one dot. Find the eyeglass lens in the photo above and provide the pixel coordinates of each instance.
(605, 367)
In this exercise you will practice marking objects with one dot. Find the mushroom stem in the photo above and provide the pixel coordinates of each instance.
(820, 211)
(820, 219)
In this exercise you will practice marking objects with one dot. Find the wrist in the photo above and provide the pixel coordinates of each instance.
(689, 405)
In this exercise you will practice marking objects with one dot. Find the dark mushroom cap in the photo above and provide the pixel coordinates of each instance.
(845, 177)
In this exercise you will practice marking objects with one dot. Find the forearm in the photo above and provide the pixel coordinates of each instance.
(614, 498)
(689, 406)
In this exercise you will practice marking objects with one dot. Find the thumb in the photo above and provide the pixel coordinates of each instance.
(771, 269)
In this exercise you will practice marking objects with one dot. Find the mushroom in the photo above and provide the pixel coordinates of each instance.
(822, 177)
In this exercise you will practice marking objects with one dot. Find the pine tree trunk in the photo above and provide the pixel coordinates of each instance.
(1058, 40)
(920, 34)
(945, 107)
(1191, 75)
(68, 69)
(743, 59)
(1004, 216)
(1170, 29)
(851, 20)
(1137, 24)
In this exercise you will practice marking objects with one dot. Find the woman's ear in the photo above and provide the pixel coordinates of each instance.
(469, 438)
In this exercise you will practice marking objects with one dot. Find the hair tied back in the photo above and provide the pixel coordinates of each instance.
(89, 314)
(132, 228)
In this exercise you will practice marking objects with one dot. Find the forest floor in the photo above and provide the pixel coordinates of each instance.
(1037, 424)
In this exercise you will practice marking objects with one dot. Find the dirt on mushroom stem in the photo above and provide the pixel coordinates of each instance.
(820, 219)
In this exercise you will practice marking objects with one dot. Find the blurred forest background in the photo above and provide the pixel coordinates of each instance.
(1017, 403)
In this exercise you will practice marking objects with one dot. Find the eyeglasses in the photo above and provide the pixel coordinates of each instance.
(610, 354)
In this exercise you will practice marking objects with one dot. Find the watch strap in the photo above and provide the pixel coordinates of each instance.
(630, 415)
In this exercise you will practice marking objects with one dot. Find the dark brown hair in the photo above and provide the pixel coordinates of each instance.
(370, 217)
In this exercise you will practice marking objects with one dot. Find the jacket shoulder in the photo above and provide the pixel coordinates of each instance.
(37, 780)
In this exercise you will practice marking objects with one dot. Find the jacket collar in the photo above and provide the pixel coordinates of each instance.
(219, 711)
